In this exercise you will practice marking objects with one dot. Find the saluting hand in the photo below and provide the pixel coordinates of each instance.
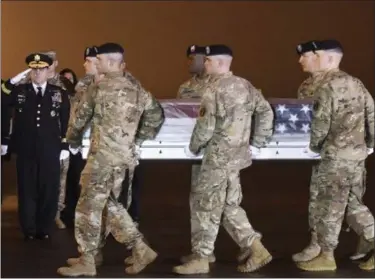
(16, 79)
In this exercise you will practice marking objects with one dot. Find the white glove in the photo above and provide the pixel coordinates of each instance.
(4, 150)
(370, 151)
(19, 77)
(255, 151)
(64, 155)
(138, 151)
(310, 153)
(191, 154)
(74, 151)
(85, 153)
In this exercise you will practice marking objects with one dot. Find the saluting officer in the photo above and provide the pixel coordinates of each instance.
(40, 123)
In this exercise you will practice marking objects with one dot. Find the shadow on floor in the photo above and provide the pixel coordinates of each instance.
(275, 198)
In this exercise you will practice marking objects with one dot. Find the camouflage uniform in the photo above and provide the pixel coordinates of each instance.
(307, 90)
(85, 85)
(309, 85)
(64, 164)
(341, 131)
(81, 88)
(129, 198)
(193, 89)
(223, 129)
(115, 107)
(106, 229)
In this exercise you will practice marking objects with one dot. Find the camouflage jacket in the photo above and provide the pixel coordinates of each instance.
(62, 82)
(193, 88)
(80, 89)
(309, 85)
(224, 124)
(343, 118)
(115, 106)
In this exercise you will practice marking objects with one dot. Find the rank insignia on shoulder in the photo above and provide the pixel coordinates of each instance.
(56, 97)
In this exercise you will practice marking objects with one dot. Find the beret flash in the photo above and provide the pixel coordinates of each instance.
(306, 47)
(194, 49)
(90, 52)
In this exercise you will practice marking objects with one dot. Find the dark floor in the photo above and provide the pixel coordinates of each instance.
(275, 197)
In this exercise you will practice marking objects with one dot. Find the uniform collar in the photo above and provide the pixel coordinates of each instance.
(43, 86)
(115, 74)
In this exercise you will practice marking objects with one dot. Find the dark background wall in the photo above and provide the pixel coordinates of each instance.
(263, 35)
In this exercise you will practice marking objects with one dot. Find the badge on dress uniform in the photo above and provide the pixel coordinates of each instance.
(56, 97)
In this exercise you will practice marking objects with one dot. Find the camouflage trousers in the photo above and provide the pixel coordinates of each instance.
(341, 186)
(64, 166)
(313, 193)
(195, 169)
(312, 199)
(217, 196)
(106, 225)
(99, 212)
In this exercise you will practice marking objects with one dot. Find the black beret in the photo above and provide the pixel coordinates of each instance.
(218, 50)
(329, 44)
(90, 52)
(38, 60)
(306, 47)
(194, 49)
(110, 48)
